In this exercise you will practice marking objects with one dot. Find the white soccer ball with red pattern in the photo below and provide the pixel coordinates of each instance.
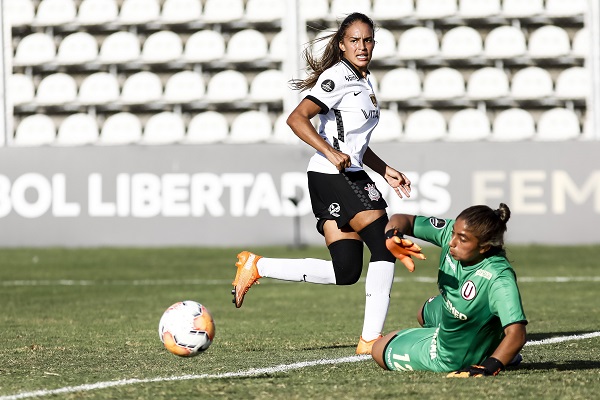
(186, 328)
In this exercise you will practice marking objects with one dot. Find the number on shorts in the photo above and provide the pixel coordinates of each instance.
(405, 359)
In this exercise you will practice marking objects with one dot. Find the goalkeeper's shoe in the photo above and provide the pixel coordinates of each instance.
(365, 347)
(246, 276)
(403, 248)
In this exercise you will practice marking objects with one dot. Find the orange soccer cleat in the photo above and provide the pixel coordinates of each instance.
(365, 347)
(246, 276)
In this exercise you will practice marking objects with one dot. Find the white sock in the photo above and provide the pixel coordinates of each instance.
(299, 270)
(378, 286)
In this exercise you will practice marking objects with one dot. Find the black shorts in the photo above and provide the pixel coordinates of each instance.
(341, 196)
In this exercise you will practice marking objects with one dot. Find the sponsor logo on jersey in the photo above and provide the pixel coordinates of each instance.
(468, 291)
(356, 93)
(484, 274)
(334, 209)
(437, 223)
(327, 85)
(374, 194)
(433, 346)
(351, 78)
(370, 114)
(455, 313)
(373, 99)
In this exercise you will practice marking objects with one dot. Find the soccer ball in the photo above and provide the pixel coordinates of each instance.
(186, 328)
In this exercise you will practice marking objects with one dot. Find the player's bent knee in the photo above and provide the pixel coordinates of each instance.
(347, 259)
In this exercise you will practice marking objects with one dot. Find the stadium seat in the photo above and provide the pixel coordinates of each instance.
(162, 47)
(35, 130)
(461, 42)
(181, 11)
(562, 8)
(558, 124)
(479, 8)
(313, 10)
(512, 124)
(226, 86)
(247, 45)
(21, 89)
(341, 8)
(120, 47)
(97, 12)
(424, 125)
(581, 43)
(522, 8)
(392, 9)
(207, 127)
(99, 88)
(20, 12)
(549, 41)
(77, 48)
(443, 84)
(184, 87)
(389, 127)
(250, 127)
(223, 11)
(204, 46)
(505, 42)
(120, 129)
(386, 46)
(55, 12)
(488, 83)
(573, 83)
(282, 133)
(141, 88)
(56, 89)
(400, 84)
(435, 9)
(267, 86)
(418, 42)
(77, 130)
(163, 128)
(469, 124)
(137, 12)
(35, 49)
(265, 10)
(278, 46)
(531, 83)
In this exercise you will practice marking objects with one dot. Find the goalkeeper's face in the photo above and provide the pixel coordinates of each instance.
(465, 246)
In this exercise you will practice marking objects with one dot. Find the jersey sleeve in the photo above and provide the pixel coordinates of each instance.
(328, 91)
(505, 299)
(433, 230)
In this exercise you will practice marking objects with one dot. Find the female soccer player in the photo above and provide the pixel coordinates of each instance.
(348, 206)
(476, 325)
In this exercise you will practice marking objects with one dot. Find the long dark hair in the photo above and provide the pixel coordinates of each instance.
(486, 224)
(332, 54)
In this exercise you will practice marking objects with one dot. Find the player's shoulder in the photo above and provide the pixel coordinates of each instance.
(333, 78)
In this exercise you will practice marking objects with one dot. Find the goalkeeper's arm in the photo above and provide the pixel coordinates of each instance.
(402, 248)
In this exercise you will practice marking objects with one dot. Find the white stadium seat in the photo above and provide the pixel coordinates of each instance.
(562, 8)
(97, 12)
(222, 11)
(385, 46)
(531, 83)
(265, 10)
(558, 124)
(56, 89)
(312, 10)
(162, 47)
(424, 125)
(461, 42)
(278, 46)
(226, 86)
(392, 9)
(282, 133)
(35, 49)
(400, 84)
(522, 8)
(549, 41)
(341, 8)
(99, 88)
(418, 42)
(250, 127)
(142, 87)
(204, 46)
(268, 85)
(435, 9)
(181, 11)
(21, 89)
(389, 127)
(55, 12)
(163, 128)
(513, 124)
(77, 48)
(35, 130)
(77, 130)
(505, 42)
(488, 83)
(443, 83)
(247, 45)
(120, 129)
(19, 12)
(134, 12)
(479, 8)
(120, 47)
(184, 87)
(469, 124)
(573, 83)
(207, 127)
(581, 43)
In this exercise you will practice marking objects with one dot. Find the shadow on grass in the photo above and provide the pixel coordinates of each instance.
(569, 365)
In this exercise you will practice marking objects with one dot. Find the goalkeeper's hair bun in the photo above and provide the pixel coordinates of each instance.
(503, 212)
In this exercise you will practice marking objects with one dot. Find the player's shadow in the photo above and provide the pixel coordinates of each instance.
(567, 365)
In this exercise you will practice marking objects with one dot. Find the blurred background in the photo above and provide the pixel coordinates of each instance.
(162, 122)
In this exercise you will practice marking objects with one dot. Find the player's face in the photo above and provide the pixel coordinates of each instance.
(357, 45)
(464, 245)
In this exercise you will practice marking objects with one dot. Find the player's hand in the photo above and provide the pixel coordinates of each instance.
(398, 181)
(403, 248)
(490, 367)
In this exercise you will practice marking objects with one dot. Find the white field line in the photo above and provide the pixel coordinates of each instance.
(247, 373)
(164, 282)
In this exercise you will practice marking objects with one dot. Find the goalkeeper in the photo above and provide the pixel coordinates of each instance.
(476, 325)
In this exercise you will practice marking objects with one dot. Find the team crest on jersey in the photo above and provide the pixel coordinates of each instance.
(374, 194)
(327, 85)
(334, 209)
(437, 223)
(468, 291)
(373, 99)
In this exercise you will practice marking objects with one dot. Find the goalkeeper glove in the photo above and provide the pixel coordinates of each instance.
(490, 367)
(403, 248)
